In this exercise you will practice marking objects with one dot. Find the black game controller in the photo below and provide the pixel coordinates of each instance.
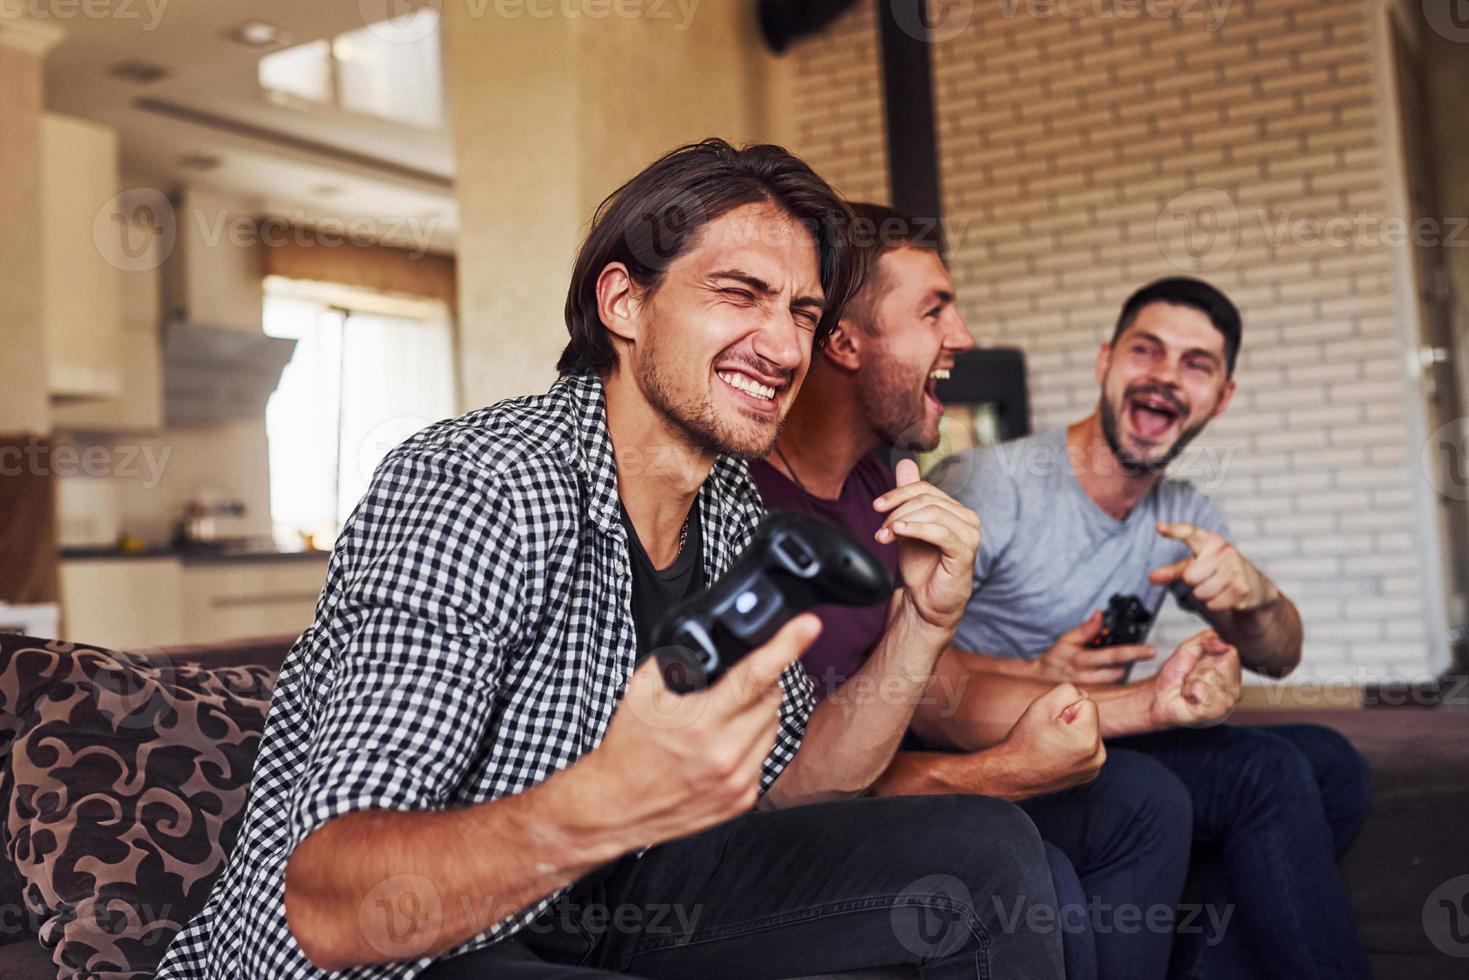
(1125, 621)
(794, 562)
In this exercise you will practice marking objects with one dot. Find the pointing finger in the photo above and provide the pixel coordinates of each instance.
(1197, 539)
(1169, 574)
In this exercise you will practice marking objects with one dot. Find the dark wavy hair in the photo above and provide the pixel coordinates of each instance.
(654, 218)
(878, 230)
(1195, 294)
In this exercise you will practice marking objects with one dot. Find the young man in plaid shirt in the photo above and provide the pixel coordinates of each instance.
(464, 775)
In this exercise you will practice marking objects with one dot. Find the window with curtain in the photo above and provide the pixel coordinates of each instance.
(358, 384)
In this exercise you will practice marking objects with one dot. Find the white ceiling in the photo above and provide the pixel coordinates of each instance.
(301, 164)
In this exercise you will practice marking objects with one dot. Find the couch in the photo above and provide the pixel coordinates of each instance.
(122, 776)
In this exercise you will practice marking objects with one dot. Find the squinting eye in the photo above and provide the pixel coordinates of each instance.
(738, 293)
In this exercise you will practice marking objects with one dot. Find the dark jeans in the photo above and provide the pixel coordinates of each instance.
(1127, 834)
(1273, 808)
(1078, 949)
(956, 885)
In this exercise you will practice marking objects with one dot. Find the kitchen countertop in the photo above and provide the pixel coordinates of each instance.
(194, 555)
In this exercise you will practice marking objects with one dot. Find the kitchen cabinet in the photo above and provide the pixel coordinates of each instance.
(230, 600)
(131, 602)
(79, 268)
(122, 603)
(102, 320)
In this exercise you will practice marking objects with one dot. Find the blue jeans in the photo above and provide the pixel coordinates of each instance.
(1127, 834)
(1078, 947)
(956, 886)
(1273, 808)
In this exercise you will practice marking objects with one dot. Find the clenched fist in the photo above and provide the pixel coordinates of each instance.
(1056, 744)
(1199, 685)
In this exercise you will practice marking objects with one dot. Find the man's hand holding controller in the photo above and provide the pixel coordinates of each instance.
(1072, 658)
(673, 764)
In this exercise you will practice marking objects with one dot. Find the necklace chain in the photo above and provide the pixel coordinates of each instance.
(792, 471)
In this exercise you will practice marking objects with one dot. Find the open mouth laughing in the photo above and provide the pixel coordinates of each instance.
(1152, 415)
(930, 387)
(757, 393)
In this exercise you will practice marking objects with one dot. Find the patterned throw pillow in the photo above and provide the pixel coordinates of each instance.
(123, 780)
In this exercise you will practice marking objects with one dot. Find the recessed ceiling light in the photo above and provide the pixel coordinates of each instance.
(199, 161)
(142, 72)
(258, 34)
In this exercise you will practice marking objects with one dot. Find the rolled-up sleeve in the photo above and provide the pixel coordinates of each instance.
(429, 613)
(797, 701)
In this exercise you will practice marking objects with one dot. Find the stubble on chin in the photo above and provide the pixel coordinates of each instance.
(694, 415)
(1132, 465)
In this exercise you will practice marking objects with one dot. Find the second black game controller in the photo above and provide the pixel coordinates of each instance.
(1125, 622)
(794, 562)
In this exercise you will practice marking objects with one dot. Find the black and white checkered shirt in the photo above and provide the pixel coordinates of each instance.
(474, 636)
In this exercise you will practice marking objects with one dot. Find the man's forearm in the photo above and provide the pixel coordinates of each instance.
(853, 734)
(382, 885)
(969, 708)
(1268, 639)
(987, 773)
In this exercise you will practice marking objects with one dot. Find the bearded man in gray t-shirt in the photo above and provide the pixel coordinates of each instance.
(1073, 517)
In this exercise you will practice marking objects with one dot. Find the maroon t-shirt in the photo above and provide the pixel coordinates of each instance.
(847, 634)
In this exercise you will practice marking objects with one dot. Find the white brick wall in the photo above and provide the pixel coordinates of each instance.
(1065, 144)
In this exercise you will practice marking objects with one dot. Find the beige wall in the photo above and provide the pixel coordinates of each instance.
(1077, 153)
(24, 402)
(549, 116)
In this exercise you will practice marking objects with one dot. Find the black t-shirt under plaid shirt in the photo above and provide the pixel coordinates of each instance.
(474, 636)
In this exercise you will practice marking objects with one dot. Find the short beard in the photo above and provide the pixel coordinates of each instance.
(1142, 467)
(886, 400)
(705, 429)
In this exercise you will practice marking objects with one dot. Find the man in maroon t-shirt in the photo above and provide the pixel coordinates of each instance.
(1125, 826)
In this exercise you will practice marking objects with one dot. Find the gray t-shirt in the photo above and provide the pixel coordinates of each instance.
(1048, 555)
